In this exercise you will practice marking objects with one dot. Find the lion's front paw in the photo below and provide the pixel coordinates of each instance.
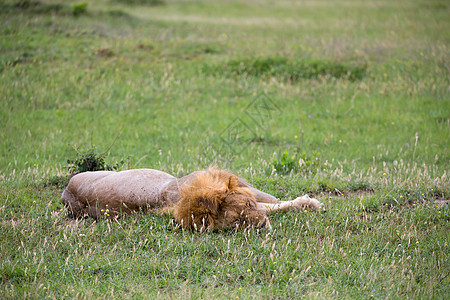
(306, 201)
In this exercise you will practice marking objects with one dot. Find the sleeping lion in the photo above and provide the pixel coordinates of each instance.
(203, 200)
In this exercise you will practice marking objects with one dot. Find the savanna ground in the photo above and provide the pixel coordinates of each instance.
(344, 100)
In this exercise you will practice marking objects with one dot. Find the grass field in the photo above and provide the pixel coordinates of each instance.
(348, 101)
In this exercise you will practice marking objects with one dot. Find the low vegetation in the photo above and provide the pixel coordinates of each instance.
(291, 70)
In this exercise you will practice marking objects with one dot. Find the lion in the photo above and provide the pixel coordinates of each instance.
(203, 200)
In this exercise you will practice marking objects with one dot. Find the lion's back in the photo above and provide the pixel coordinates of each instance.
(133, 187)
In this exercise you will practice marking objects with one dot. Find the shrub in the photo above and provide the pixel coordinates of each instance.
(79, 9)
(91, 160)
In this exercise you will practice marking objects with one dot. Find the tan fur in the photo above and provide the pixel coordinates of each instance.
(202, 200)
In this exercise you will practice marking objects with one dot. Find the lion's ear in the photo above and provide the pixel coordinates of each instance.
(233, 182)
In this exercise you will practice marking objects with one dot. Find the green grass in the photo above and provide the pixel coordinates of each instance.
(357, 89)
(289, 70)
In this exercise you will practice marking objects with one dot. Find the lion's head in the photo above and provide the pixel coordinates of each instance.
(216, 199)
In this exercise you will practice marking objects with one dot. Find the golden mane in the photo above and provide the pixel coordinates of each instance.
(202, 197)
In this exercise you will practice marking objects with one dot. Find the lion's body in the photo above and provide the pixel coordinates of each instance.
(126, 191)
(203, 199)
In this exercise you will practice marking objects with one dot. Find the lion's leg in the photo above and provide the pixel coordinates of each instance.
(269, 203)
(75, 207)
(262, 197)
(78, 209)
(299, 203)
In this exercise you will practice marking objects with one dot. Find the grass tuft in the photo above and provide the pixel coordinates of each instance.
(79, 9)
(291, 70)
(39, 7)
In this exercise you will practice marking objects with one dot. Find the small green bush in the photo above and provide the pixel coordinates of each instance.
(91, 161)
(79, 9)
